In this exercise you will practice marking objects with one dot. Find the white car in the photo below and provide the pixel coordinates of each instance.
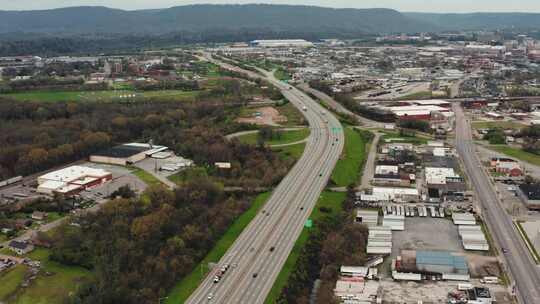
(210, 296)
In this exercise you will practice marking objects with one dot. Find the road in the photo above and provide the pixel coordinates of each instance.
(262, 248)
(519, 263)
(339, 108)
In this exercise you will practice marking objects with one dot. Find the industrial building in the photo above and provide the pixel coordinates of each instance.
(463, 219)
(473, 238)
(128, 154)
(72, 180)
(386, 194)
(368, 217)
(428, 265)
(530, 195)
(281, 43)
(379, 240)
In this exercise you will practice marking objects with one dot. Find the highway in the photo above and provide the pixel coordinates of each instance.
(524, 272)
(261, 250)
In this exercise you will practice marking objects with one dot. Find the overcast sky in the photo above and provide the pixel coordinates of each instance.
(402, 5)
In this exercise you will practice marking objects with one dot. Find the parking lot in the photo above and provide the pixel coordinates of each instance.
(426, 233)
(432, 292)
(121, 176)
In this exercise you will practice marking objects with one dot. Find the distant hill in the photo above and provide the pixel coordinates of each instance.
(479, 21)
(307, 19)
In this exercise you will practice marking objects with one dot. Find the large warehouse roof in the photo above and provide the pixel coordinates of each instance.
(73, 173)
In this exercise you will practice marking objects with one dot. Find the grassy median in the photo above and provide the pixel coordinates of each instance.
(328, 200)
(347, 170)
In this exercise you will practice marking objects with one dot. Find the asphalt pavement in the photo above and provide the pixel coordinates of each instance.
(259, 253)
(524, 273)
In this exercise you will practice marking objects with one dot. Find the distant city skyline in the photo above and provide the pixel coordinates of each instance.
(437, 6)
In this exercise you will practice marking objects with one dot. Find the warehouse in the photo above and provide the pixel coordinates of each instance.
(426, 264)
(72, 180)
(127, 154)
(385, 194)
(281, 43)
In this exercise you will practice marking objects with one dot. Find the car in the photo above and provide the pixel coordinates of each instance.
(320, 175)
(210, 296)
(272, 248)
(255, 275)
(216, 279)
(504, 250)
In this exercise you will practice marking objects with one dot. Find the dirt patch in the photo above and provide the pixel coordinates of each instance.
(268, 116)
(483, 266)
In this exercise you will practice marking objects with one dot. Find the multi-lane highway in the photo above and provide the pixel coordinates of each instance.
(524, 272)
(261, 250)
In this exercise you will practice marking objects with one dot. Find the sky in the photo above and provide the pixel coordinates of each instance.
(441, 6)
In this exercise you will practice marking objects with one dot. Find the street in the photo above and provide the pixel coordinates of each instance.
(524, 273)
(262, 248)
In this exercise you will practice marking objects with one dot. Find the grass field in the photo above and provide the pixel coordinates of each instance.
(144, 176)
(187, 174)
(188, 285)
(347, 168)
(294, 151)
(10, 280)
(294, 117)
(331, 200)
(105, 96)
(287, 137)
(55, 288)
(517, 153)
(281, 74)
(497, 124)
(417, 95)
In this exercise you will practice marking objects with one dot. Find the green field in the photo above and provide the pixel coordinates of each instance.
(294, 117)
(187, 175)
(54, 288)
(287, 137)
(497, 124)
(189, 284)
(347, 169)
(105, 96)
(294, 151)
(281, 74)
(517, 153)
(144, 176)
(331, 200)
(10, 280)
(417, 95)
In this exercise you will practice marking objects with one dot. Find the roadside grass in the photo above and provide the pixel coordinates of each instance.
(417, 95)
(105, 96)
(54, 288)
(282, 74)
(294, 117)
(497, 124)
(527, 240)
(347, 169)
(181, 292)
(187, 175)
(330, 200)
(517, 153)
(144, 176)
(293, 151)
(10, 281)
(286, 137)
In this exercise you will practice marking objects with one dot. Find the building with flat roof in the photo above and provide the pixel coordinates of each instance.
(72, 180)
(127, 154)
(281, 43)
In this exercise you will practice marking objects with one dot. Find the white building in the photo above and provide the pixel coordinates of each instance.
(281, 43)
(72, 180)
(438, 176)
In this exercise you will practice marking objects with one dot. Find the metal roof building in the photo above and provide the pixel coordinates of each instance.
(441, 262)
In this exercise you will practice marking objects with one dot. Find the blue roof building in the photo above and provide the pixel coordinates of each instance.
(441, 262)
